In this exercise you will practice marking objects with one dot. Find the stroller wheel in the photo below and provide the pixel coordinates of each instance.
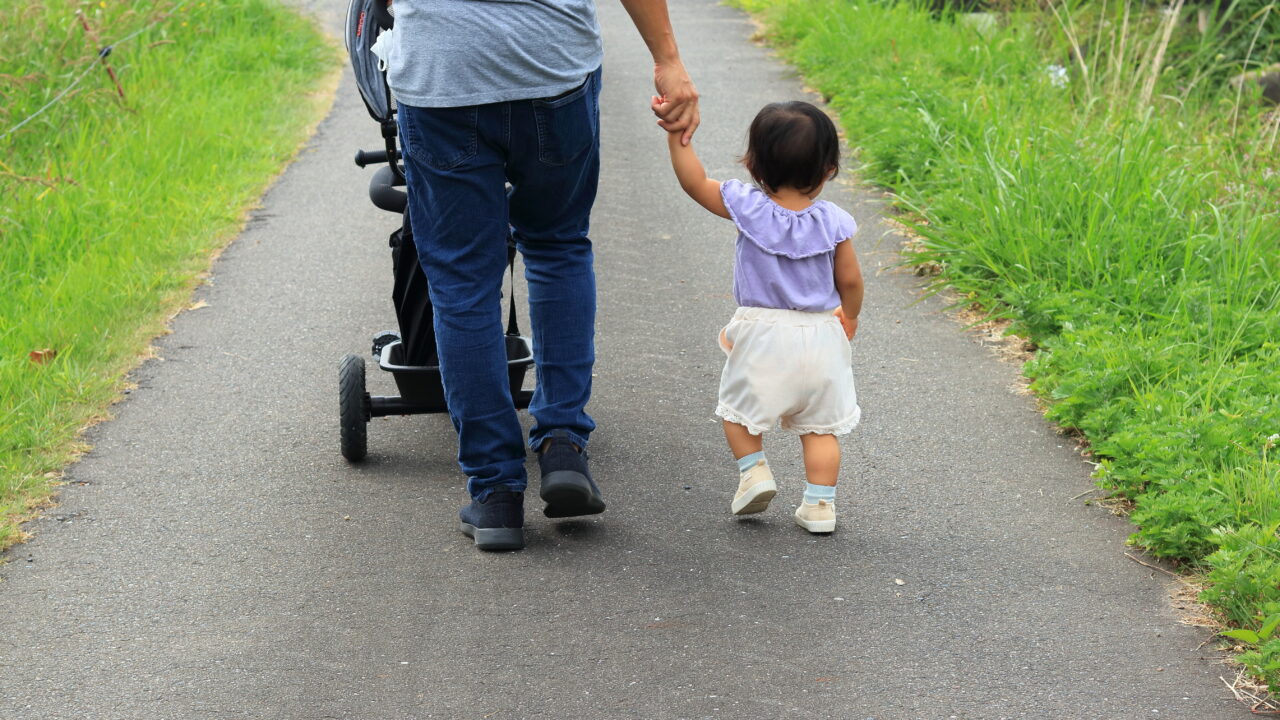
(353, 408)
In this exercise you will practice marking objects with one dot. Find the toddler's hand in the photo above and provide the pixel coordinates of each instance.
(724, 341)
(658, 101)
(850, 326)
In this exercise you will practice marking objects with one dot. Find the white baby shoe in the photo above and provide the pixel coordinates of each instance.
(755, 489)
(819, 517)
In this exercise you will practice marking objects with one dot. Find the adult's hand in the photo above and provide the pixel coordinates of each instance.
(677, 102)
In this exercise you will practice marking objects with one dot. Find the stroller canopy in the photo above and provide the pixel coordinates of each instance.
(365, 20)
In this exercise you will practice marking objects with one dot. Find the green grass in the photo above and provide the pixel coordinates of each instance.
(110, 209)
(1126, 223)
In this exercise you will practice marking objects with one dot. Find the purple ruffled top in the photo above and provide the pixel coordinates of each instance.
(785, 259)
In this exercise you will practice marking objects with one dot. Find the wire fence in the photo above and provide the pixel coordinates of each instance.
(100, 60)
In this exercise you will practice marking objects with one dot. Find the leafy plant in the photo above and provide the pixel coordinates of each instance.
(1256, 637)
(1263, 654)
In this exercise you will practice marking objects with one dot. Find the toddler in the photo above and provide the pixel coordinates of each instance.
(799, 289)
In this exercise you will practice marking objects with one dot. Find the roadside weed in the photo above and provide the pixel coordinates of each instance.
(110, 206)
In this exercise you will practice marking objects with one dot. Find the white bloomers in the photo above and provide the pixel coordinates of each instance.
(788, 368)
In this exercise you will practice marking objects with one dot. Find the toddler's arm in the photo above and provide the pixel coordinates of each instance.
(849, 286)
(693, 178)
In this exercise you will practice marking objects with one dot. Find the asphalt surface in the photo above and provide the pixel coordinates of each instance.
(214, 556)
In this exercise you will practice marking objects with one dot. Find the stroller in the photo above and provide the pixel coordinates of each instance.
(409, 354)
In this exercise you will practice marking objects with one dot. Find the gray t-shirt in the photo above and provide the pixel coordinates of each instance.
(449, 53)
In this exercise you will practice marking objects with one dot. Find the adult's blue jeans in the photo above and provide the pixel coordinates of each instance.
(457, 164)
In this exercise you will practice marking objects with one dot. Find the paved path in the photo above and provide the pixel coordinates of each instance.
(215, 558)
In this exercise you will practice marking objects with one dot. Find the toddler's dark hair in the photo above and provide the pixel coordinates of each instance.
(792, 144)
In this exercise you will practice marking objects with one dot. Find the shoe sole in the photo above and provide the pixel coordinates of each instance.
(569, 494)
(817, 526)
(494, 538)
(755, 499)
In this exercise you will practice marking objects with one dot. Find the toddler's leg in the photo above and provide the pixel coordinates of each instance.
(755, 480)
(741, 441)
(817, 512)
(821, 458)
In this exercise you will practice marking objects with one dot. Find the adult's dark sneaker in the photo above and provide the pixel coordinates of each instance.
(567, 486)
(495, 523)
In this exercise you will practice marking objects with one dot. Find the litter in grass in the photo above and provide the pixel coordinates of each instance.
(1058, 76)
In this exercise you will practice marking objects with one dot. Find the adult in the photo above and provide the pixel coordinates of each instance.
(493, 92)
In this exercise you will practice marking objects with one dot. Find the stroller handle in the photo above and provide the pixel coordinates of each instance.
(372, 157)
(383, 192)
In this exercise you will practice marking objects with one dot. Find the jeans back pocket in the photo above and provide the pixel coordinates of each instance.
(566, 125)
(442, 138)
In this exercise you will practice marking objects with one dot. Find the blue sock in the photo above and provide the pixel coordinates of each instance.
(746, 462)
(814, 493)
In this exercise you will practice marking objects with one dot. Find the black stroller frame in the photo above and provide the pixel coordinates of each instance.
(409, 354)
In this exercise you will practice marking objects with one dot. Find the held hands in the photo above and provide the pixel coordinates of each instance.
(676, 104)
(850, 326)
